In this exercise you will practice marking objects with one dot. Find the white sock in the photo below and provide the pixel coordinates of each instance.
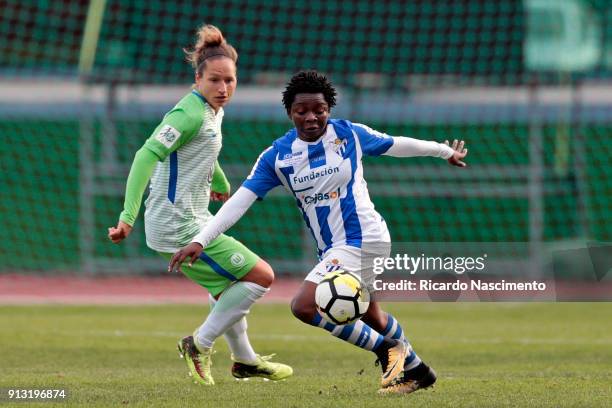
(237, 338)
(233, 305)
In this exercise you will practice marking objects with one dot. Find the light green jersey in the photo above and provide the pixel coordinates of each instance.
(187, 143)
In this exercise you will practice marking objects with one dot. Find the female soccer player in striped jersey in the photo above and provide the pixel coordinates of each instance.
(319, 162)
(180, 160)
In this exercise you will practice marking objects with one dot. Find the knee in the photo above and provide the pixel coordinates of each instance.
(261, 274)
(267, 274)
(303, 311)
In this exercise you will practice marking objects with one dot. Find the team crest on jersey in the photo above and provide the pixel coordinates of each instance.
(333, 265)
(167, 136)
(339, 146)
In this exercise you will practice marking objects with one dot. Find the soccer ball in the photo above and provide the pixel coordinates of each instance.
(340, 297)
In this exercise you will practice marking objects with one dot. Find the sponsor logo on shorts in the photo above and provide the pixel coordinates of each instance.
(237, 259)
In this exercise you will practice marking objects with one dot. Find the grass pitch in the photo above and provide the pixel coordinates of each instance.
(486, 355)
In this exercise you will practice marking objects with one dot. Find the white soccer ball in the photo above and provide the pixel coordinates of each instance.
(341, 298)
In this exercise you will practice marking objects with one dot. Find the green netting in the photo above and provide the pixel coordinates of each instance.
(428, 69)
(41, 211)
(142, 41)
(41, 37)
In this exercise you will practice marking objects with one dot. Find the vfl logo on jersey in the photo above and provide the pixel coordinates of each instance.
(333, 265)
(318, 197)
(167, 136)
(339, 146)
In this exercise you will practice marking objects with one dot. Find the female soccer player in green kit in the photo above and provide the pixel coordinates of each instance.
(180, 160)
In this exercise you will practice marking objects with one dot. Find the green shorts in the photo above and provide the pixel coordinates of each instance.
(223, 261)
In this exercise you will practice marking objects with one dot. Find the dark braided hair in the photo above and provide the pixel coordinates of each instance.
(309, 82)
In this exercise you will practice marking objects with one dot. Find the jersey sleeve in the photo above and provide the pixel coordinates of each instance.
(220, 183)
(177, 128)
(142, 167)
(373, 143)
(263, 178)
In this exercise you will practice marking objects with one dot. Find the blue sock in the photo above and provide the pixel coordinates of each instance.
(394, 331)
(358, 333)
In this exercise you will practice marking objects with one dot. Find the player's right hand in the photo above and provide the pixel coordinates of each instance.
(191, 251)
(120, 232)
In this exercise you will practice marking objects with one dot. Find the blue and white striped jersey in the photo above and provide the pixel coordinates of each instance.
(326, 179)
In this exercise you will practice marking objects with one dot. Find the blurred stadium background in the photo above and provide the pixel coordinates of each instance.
(528, 85)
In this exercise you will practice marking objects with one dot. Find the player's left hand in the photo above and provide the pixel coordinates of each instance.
(191, 251)
(223, 197)
(460, 152)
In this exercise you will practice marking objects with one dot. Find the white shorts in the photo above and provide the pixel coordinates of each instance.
(359, 261)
